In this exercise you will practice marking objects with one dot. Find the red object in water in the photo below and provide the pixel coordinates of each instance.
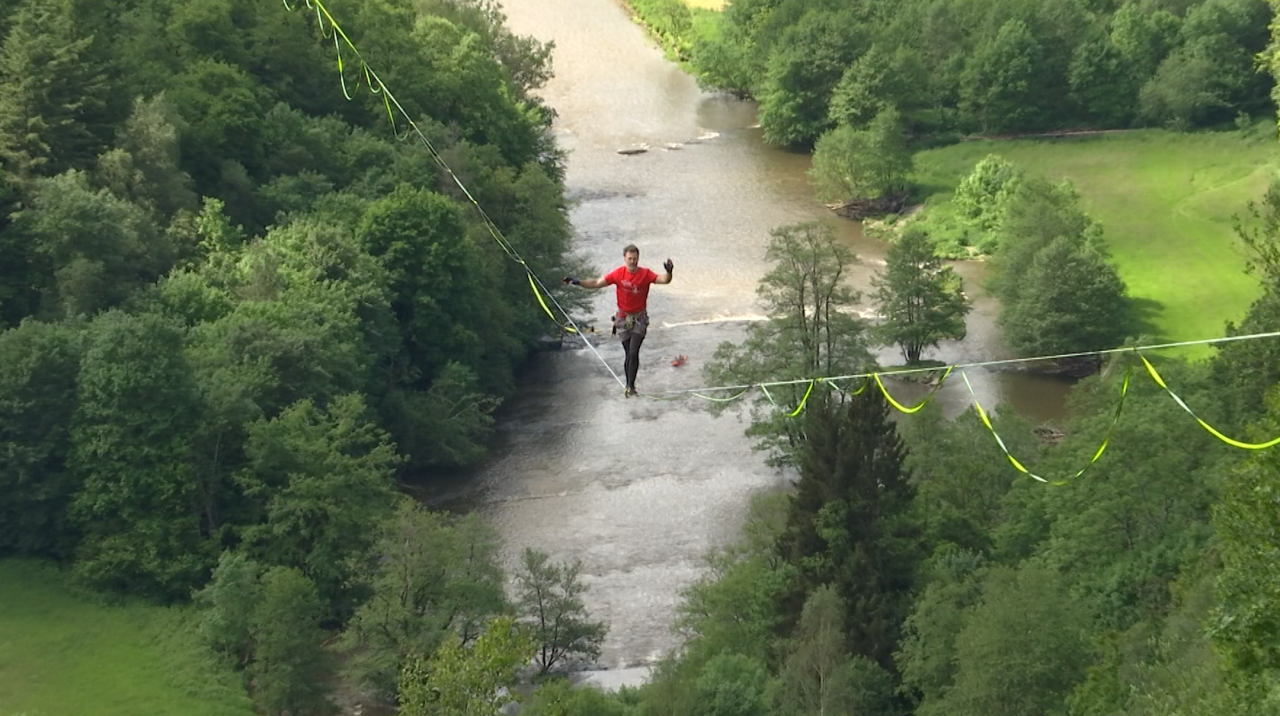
(679, 361)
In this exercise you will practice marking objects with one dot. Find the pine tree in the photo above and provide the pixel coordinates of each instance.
(849, 524)
(50, 91)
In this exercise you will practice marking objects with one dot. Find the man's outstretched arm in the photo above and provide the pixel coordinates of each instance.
(666, 277)
(587, 282)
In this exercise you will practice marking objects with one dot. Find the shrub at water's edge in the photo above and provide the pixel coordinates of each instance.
(1165, 202)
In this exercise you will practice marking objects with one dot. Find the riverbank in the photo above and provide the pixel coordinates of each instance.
(676, 25)
(63, 653)
(1166, 201)
(643, 525)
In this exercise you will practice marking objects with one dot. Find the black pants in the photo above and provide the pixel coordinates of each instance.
(631, 344)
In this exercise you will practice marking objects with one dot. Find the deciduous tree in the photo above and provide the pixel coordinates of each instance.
(869, 163)
(1001, 79)
(138, 507)
(461, 681)
(1022, 649)
(39, 363)
(550, 602)
(809, 59)
(434, 576)
(979, 196)
(89, 248)
(290, 671)
(1074, 300)
(812, 330)
(1059, 291)
(731, 685)
(228, 602)
(921, 300)
(321, 478)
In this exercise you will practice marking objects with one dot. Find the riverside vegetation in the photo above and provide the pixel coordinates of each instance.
(239, 318)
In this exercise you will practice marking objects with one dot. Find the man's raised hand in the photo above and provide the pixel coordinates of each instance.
(668, 265)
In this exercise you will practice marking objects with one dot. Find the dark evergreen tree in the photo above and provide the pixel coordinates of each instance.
(849, 524)
(51, 93)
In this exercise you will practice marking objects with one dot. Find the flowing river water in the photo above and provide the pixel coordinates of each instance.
(640, 490)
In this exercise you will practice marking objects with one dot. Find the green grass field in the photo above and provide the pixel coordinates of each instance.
(1165, 201)
(66, 654)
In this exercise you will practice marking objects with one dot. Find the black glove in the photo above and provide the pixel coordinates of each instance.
(668, 265)
(573, 281)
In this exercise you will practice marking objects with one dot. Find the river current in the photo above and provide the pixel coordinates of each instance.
(640, 490)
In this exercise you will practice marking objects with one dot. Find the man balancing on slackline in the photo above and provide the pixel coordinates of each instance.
(631, 322)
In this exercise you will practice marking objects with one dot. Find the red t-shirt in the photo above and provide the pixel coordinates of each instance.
(633, 288)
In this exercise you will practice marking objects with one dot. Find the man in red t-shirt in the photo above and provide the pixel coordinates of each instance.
(631, 322)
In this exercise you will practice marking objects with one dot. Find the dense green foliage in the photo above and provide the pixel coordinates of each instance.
(235, 314)
(433, 577)
(233, 299)
(990, 66)
(1051, 271)
(851, 163)
(1163, 200)
(430, 588)
(472, 682)
(912, 570)
(1050, 267)
(922, 300)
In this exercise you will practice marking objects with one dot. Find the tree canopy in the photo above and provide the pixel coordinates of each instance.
(238, 318)
(265, 297)
(991, 66)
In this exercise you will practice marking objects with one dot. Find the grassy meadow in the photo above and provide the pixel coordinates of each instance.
(66, 654)
(1166, 202)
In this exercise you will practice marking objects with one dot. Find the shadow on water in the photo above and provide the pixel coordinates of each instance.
(458, 489)
(450, 489)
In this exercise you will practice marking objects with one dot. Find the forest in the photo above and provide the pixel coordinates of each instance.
(975, 66)
(242, 316)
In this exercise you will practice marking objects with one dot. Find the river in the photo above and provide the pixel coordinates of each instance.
(640, 490)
